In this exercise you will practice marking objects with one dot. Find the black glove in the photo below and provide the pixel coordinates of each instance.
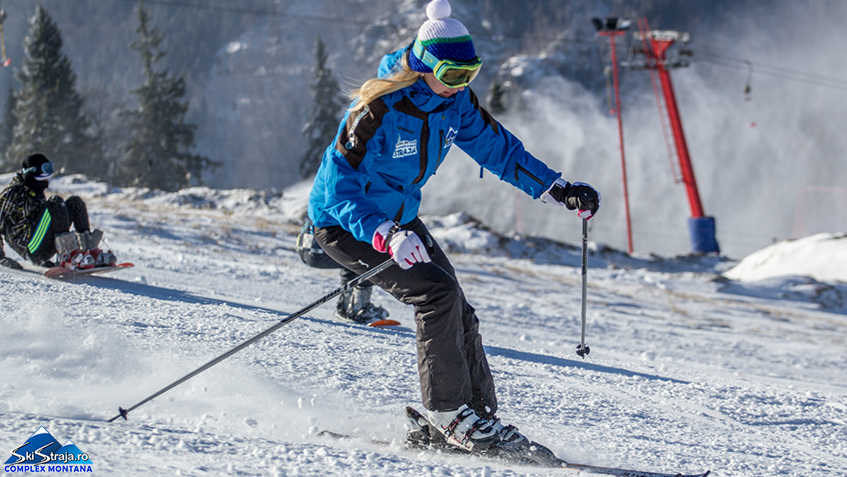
(578, 195)
(8, 262)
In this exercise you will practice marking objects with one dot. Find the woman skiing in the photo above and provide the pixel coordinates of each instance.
(365, 199)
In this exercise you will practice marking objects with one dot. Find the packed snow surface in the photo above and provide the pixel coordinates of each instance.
(696, 363)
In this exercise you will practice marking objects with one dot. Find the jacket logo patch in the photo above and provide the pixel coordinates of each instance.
(451, 135)
(405, 148)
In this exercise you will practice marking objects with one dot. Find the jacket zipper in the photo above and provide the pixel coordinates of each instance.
(520, 168)
(440, 150)
(424, 160)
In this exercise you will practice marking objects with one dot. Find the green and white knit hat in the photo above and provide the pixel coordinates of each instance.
(444, 37)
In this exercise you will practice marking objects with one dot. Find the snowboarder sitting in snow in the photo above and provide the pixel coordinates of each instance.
(38, 228)
(365, 199)
(354, 304)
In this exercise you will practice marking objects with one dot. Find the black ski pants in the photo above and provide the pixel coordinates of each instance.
(57, 217)
(452, 365)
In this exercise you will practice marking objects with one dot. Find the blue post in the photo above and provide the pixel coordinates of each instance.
(702, 231)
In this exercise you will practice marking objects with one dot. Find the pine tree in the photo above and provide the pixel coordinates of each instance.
(110, 131)
(322, 125)
(7, 132)
(158, 155)
(47, 107)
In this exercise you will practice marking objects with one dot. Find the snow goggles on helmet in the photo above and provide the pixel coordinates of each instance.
(453, 74)
(43, 172)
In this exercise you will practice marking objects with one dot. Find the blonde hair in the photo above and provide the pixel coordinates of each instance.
(401, 77)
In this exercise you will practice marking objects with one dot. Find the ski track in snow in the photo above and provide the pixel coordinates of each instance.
(688, 371)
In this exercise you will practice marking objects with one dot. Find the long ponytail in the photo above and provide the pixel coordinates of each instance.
(374, 88)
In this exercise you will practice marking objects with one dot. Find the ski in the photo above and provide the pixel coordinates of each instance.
(421, 436)
(62, 273)
(592, 469)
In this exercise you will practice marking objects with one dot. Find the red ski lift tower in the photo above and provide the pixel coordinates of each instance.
(654, 47)
(613, 28)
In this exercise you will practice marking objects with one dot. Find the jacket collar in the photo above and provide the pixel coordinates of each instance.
(420, 93)
(425, 99)
(19, 181)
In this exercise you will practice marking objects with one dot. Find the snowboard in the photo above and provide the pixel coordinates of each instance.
(383, 323)
(62, 273)
(423, 436)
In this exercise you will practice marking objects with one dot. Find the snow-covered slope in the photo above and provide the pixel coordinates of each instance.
(688, 370)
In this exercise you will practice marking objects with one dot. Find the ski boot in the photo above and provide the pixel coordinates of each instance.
(355, 305)
(508, 434)
(462, 428)
(516, 448)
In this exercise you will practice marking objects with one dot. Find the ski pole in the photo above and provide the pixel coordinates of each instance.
(583, 350)
(288, 319)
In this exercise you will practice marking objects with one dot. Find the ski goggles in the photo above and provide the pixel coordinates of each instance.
(43, 172)
(453, 74)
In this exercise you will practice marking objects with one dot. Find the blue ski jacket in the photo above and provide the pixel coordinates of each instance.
(381, 157)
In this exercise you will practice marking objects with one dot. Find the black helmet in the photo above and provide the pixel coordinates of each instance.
(38, 167)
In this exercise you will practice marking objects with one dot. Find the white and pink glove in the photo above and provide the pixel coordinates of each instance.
(404, 246)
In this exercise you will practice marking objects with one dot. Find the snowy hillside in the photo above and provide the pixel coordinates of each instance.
(689, 370)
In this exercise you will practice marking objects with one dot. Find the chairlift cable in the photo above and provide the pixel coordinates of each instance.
(777, 71)
(341, 21)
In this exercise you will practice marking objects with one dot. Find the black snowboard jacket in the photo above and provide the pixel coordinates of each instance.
(20, 212)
